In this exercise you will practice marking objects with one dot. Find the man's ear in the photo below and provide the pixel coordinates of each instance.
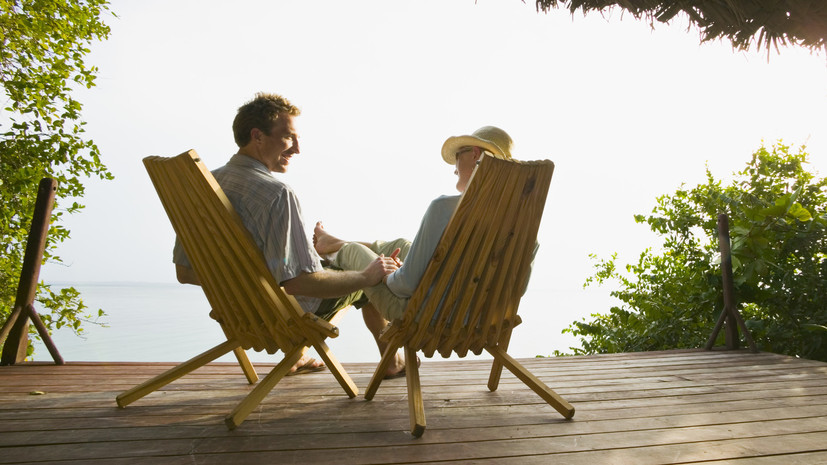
(256, 134)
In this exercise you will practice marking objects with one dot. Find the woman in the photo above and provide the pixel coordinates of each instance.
(390, 297)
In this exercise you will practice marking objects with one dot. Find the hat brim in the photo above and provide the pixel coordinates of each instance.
(453, 144)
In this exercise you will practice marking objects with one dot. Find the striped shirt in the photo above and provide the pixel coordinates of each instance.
(270, 210)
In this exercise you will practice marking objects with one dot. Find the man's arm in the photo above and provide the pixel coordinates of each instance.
(323, 284)
(331, 283)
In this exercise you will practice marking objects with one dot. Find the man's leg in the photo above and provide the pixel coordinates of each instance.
(326, 243)
(306, 364)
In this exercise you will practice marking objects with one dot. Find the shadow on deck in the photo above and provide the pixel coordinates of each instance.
(640, 408)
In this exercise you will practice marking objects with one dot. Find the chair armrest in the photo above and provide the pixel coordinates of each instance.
(390, 330)
(320, 325)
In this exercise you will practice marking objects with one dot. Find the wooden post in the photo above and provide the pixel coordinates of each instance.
(730, 314)
(731, 328)
(17, 326)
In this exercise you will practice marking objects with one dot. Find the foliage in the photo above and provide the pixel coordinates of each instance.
(42, 48)
(778, 230)
(770, 22)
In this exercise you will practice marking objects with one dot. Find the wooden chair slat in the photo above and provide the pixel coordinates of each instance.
(241, 276)
(515, 247)
(477, 268)
(199, 237)
(488, 260)
(167, 189)
(245, 267)
(454, 298)
(237, 279)
(456, 292)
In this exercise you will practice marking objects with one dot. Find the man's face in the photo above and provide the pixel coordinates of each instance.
(466, 162)
(280, 145)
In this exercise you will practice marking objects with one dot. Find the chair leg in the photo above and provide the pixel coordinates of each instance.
(381, 369)
(171, 375)
(243, 360)
(240, 412)
(548, 395)
(497, 366)
(336, 368)
(246, 365)
(416, 407)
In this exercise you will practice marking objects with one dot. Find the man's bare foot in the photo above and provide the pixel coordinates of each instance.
(325, 243)
(306, 364)
(397, 368)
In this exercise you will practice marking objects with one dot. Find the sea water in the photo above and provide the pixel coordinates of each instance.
(169, 322)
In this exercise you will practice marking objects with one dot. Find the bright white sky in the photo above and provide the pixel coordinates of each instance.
(625, 112)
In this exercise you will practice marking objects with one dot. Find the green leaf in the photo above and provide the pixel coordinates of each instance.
(671, 298)
(800, 213)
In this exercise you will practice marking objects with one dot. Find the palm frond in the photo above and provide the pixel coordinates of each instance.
(743, 22)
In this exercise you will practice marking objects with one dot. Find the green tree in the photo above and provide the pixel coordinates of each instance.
(671, 298)
(42, 48)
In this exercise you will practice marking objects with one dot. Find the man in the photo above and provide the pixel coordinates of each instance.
(391, 296)
(267, 139)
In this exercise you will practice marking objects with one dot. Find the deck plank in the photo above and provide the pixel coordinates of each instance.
(658, 407)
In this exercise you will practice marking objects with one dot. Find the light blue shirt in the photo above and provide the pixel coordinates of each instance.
(403, 281)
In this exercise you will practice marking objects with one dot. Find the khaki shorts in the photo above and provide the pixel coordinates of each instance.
(356, 256)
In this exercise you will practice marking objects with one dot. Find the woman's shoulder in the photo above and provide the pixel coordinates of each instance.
(445, 201)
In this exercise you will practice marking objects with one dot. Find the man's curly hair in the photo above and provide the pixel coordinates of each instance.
(262, 112)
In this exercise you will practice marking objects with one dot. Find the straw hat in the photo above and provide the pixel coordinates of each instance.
(491, 138)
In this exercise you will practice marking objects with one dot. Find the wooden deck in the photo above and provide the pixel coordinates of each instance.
(641, 408)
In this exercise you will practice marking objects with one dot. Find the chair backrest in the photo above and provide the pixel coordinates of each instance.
(244, 296)
(472, 286)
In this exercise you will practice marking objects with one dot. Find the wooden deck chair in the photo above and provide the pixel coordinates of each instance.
(468, 297)
(251, 307)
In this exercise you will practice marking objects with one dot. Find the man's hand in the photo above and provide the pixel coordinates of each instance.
(380, 268)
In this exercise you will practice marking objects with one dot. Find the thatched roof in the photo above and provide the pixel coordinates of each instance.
(743, 22)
